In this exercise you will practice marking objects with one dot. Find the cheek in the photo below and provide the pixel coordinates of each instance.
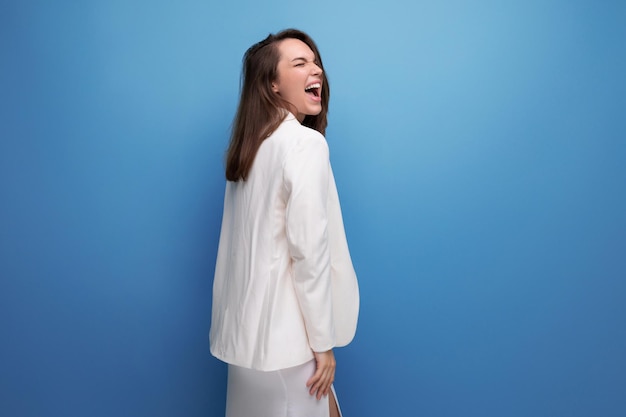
(289, 84)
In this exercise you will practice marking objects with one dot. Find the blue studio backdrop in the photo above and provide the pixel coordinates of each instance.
(479, 150)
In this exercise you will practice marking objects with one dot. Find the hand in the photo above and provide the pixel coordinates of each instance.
(319, 384)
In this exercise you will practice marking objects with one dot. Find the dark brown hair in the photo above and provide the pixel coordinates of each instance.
(260, 109)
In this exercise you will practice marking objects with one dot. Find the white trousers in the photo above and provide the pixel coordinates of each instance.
(281, 393)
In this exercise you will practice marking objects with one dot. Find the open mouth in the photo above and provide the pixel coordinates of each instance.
(314, 89)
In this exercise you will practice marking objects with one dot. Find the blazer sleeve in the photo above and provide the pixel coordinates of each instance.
(306, 179)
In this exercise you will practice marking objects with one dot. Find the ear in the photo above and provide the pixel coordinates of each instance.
(275, 87)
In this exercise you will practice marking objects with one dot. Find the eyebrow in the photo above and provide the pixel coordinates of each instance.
(300, 58)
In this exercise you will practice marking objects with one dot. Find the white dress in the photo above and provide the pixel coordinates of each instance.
(281, 393)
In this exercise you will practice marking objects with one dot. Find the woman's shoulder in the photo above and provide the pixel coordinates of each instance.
(297, 134)
(292, 141)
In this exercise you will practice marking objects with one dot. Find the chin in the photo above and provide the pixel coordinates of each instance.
(315, 112)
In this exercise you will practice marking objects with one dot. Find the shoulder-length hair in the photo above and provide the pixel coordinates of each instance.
(260, 109)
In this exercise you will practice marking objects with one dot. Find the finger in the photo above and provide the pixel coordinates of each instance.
(322, 392)
(324, 385)
(318, 385)
(315, 378)
(325, 389)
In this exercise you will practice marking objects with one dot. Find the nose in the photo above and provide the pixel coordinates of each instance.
(316, 70)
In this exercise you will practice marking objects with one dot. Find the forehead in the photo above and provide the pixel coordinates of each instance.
(294, 48)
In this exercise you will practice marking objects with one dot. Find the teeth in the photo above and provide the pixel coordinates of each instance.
(312, 86)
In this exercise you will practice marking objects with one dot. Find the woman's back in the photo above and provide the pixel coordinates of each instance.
(256, 311)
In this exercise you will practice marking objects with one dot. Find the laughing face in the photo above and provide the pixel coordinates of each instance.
(299, 80)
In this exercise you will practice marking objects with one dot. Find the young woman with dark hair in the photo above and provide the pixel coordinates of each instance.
(285, 292)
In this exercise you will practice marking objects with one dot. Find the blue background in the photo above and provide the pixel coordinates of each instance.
(479, 149)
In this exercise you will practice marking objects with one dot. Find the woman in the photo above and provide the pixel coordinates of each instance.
(285, 292)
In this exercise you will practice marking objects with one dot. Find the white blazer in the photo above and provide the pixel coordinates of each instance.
(284, 283)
